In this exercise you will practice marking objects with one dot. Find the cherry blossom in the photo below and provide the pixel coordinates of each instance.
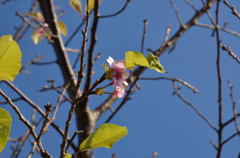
(119, 76)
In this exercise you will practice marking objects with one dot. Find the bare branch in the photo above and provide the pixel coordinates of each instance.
(219, 79)
(44, 153)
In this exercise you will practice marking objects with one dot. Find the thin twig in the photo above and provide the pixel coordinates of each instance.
(166, 37)
(48, 122)
(71, 139)
(74, 33)
(123, 102)
(230, 52)
(193, 107)
(191, 5)
(24, 26)
(195, 90)
(229, 138)
(234, 108)
(118, 12)
(67, 125)
(145, 24)
(173, 5)
(224, 29)
(25, 19)
(233, 9)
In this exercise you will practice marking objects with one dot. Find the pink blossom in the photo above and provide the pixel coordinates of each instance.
(40, 31)
(119, 76)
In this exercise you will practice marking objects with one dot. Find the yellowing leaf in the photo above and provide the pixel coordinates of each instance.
(10, 58)
(154, 63)
(133, 59)
(36, 16)
(5, 126)
(104, 136)
(76, 5)
(91, 4)
(62, 28)
(37, 36)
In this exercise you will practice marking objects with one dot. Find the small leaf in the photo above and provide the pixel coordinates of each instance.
(154, 63)
(36, 16)
(133, 59)
(104, 136)
(76, 5)
(37, 35)
(105, 67)
(10, 58)
(108, 72)
(62, 28)
(91, 4)
(5, 126)
(68, 155)
(100, 91)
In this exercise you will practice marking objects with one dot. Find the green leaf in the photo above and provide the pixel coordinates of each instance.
(5, 126)
(76, 5)
(36, 16)
(68, 155)
(133, 59)
(10, 58)
(108, 72)
(62, 28)
(154, 63)
(105, 67)
(104, 136)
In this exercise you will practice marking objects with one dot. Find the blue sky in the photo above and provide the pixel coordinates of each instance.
(157, 121)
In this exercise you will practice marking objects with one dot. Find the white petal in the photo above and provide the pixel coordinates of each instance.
(110, 61)
(125, 83)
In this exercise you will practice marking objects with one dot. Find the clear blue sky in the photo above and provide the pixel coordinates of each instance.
(156, 120)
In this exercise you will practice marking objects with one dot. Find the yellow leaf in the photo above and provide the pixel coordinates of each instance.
(67, 155)
(36, 16)
(5, 126)
(133, 59)
(62, 28)
(76, 5)
(91, 4)
(10, 58)
(104, 136)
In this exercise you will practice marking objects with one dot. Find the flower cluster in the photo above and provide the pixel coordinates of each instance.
(119, 76)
